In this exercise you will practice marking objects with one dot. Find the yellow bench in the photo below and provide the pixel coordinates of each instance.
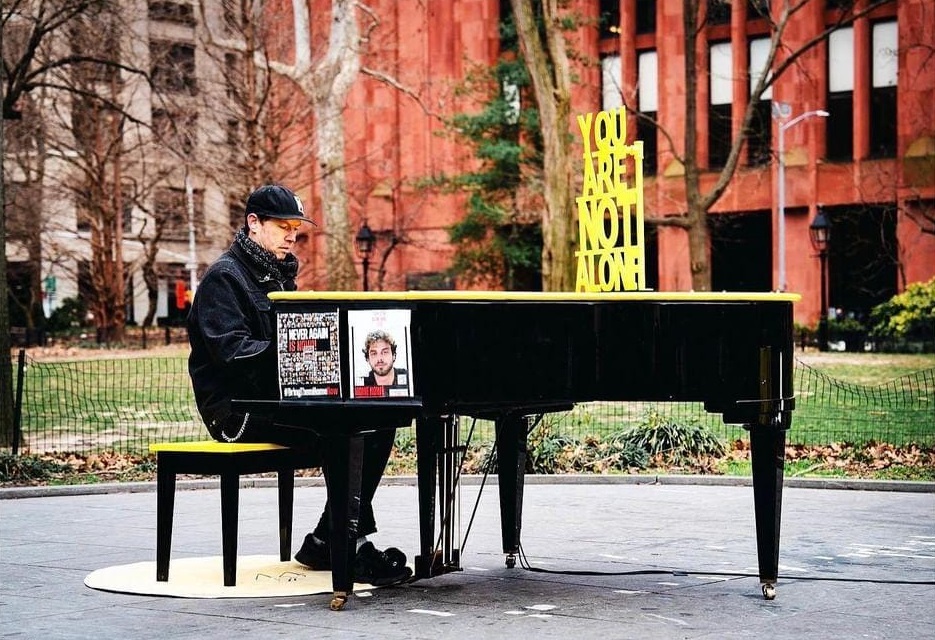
(229, 461)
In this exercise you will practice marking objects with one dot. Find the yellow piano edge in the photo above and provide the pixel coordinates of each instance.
(537, 296)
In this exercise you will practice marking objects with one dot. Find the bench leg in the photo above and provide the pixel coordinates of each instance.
(286, 484)
(165, 506)
(230, 485)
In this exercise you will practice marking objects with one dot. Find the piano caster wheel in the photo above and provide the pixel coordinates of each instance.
(510, 561)
(338, 600)
(769, 591)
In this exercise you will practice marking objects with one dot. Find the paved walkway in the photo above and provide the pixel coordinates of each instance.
(617, 560)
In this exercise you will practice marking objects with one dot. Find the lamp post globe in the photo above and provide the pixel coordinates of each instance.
(819, 232)
(364, 242)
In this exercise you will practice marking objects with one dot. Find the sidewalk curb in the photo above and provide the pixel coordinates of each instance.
(903, 486)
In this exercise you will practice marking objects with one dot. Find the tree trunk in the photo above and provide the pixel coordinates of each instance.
(549, 69)
(327, 84)
(699, 248)
(6, 364)
(329, 130)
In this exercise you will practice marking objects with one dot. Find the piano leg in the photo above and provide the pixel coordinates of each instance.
(767, 455)
(343, 472)
(511, 467)
(427, 447)
(449, 466)
(439, 457)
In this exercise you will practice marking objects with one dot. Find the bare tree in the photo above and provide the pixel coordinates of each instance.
(23, 177)
(325, 79)
(29, 29)
(96, 140)
(326, 82)
(252, 109)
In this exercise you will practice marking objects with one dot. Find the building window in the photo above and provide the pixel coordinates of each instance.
(231, 14)
(233, 133)
(510, 92)
(127, 213)
(173, 67)
(175, 129)
(742, 238)
(862, 258)
(23, 201)
(96, 41)
(508, 38)
(611, 95)
(236, 211)
(177, 12)
(840, 122)
(610, 18)
(719, 111)
(759, 138)
(170, 211)
(233, 75)
(645, 16)
(718, 12)
(757, 9)
(883, 107)
(85, 283)
(22, 133)
(648, 106)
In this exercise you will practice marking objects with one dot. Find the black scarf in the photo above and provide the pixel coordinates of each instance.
(265, 261)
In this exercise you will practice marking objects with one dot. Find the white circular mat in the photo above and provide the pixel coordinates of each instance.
(257, 577)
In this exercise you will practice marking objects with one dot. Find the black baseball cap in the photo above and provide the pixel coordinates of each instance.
(276, 201)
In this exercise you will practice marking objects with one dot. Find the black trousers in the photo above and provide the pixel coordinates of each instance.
(377, 448)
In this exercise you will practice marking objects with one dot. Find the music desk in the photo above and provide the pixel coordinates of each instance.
(505, 356)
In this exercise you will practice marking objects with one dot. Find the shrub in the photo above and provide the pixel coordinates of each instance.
(909, 315)
(546, 448)
(28, 468)
(667, 441)
(69, 315)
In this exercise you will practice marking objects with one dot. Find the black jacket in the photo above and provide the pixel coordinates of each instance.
(231, 332)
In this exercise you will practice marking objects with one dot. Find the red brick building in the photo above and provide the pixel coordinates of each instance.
(870, 164)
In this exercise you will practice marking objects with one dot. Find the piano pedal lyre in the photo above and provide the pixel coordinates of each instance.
(338, 600)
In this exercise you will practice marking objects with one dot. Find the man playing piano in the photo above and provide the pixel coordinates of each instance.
(233, 355)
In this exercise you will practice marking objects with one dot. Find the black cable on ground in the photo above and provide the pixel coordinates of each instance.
(524, 563)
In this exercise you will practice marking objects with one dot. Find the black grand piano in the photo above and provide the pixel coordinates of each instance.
(508, 356)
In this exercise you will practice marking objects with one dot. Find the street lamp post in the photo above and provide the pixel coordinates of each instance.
(364, 241)
(781, 111)
(820, 233)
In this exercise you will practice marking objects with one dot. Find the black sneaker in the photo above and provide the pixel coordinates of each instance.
(314, 555)
(379, 568)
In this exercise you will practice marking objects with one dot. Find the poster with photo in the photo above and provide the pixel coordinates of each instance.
(380, 353)
(309, 354)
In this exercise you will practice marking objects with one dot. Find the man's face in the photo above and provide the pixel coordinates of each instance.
(276, 236)
(380, 356)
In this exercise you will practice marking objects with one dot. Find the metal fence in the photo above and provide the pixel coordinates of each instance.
(124, 404)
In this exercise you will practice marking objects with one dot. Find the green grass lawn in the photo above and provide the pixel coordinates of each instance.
(867, 369)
